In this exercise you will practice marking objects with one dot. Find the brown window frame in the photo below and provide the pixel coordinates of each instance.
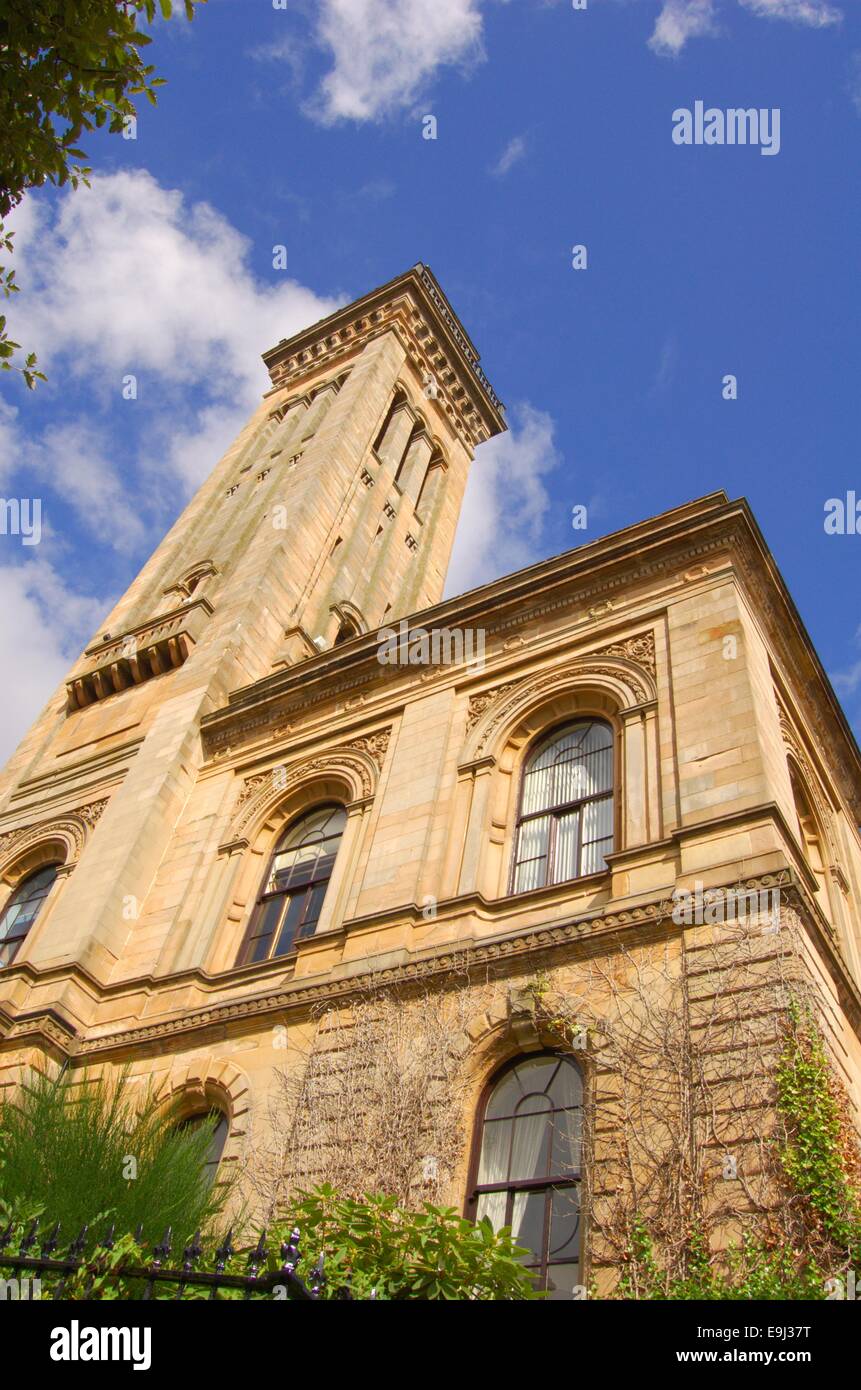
(562, 808)
(548, 1183)
(16, 939)
(305, 890)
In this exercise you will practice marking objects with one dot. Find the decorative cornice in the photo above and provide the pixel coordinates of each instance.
(436, 344)
(496, 953)
(73, 827)
(360, 761)
(495, 705)
(152, 648)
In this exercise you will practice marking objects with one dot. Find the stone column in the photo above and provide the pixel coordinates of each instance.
(476, 834)
(634, 789)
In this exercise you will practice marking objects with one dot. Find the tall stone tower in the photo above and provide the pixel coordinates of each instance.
(334, 511)
(363, 910)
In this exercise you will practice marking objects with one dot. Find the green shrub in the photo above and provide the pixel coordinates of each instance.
(429, 1254)
(69, 1148)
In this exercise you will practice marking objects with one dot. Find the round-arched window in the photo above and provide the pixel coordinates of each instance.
(22, 909)
(527, 1169)
(218, 1122)
(295, 886)
(565, 823)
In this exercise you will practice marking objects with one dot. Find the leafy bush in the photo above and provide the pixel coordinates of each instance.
(398, 1254)
(69, 1148)
(820, 1156)
(753, 1271)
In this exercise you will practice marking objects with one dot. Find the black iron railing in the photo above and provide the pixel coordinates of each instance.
(41, 1255)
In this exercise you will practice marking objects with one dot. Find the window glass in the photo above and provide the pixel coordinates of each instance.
(565, 825)
(22, 910)
(528, 1169)
(295, 886)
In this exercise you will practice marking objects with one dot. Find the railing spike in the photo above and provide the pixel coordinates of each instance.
(29, 1240)
(51, 1241)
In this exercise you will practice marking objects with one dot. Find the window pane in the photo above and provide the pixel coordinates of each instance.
(533, 1074)
(292, 918)
(530, 1150)
(527, 1222)
(537, 790)
(313, 907)
(532, 854)
(566, 1085)
(561, 1281)
(575, 766)
(295, 888)
(567, 1134)
(264, 929)
(495, 1150)
(597, 834)
(567, 837)
(492, 1205)
(22, 909)
(564, 1224)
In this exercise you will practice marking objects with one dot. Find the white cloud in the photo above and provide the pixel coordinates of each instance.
(384, 55)
(126, 276)
(506, 502)
(43, 625)
(130, 277)
(848, 682)
(855, 79)
(385, 52)
(667, 366)
(9, 442)
(680, 20)
(816, 13)
(513, 152)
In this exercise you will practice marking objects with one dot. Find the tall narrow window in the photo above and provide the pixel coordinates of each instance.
(290, 904)
(527, 1173)
(565, 826)
(218, 1122)
(22, 910)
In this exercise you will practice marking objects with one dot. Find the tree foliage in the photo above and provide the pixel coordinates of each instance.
(66, 67)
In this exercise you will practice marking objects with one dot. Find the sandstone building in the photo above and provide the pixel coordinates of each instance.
(302, 887)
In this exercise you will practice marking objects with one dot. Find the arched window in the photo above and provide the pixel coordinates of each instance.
(220, 1128)
(527, 1171)
(292, 898)
(22, 910)
(565, 825)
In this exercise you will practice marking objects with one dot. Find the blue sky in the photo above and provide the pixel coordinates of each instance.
(304, 127)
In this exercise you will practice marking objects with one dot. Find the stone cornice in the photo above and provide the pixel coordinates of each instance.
(684, 546)
(530, 945)
(436, 343)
